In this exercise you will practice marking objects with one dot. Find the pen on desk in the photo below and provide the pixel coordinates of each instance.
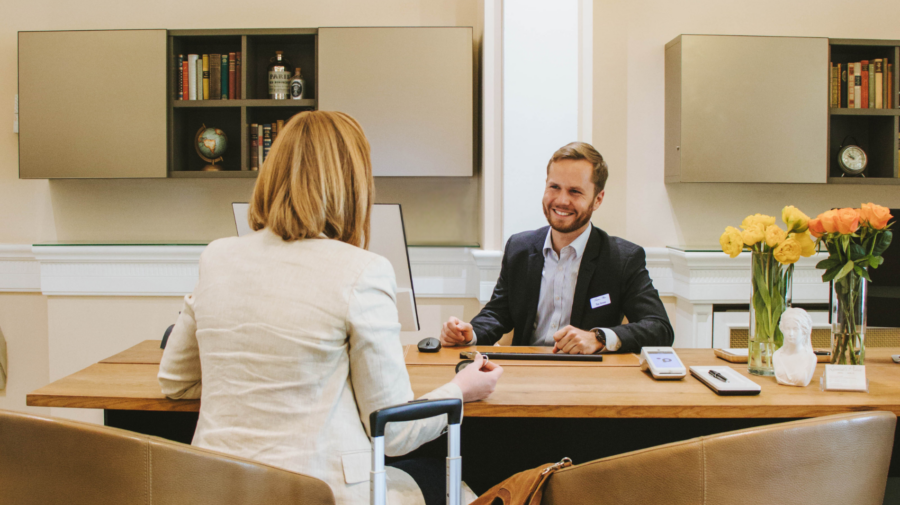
(719, 376)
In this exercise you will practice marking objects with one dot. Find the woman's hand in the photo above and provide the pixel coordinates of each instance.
(478, 380)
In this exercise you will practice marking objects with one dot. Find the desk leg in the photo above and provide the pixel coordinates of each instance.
(177, 426)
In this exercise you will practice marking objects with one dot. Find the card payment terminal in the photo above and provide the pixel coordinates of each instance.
(662, 362)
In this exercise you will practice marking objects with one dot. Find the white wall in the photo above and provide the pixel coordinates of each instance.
(540, 101)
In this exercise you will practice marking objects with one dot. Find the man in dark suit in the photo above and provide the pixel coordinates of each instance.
(570, 284)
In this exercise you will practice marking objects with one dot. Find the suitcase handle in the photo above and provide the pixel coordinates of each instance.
(415, 410)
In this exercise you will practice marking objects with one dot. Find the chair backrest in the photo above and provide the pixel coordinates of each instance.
(833, 459)
(45, 460)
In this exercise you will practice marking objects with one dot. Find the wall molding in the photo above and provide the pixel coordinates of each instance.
(697, 280)
(19, 270)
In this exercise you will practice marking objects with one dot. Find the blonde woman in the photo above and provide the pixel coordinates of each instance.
(291, 337)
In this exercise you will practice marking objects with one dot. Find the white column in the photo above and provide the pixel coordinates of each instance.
(541, 50)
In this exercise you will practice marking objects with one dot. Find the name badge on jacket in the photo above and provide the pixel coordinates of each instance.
(599, 301)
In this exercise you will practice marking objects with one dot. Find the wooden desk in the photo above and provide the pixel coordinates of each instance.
(538, 413)
(127, 381)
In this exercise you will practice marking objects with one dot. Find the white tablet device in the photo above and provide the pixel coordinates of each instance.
(662, 362)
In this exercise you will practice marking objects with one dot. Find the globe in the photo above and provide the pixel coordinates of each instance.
(211, 144)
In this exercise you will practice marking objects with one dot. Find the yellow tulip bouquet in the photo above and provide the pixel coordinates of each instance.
(774, 252)
(855, 239)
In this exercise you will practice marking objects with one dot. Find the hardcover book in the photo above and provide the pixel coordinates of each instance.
(192, 77)
(231, 62)
(179, 69)
(857, 85)
(842, 70)
(267, 140)
(879, 85)
(851, 88)
(254, 147)
(237, 75)
(871, 84)
(206, 77)
(224, 77)
(259, 144)
(199, 79)
(185, 82)
(215, 77)
(864, 84)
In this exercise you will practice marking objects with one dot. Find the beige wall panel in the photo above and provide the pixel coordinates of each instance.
(754, 109)
(410, 88)
(85, 330)
(433, 312)
(92, 104)
(23, 320)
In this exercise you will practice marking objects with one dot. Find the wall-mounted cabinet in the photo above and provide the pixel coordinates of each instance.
(428, 81)
(117, 113)
(759, 109)
(746, 109)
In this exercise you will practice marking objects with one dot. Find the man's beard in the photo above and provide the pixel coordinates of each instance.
(579, 221)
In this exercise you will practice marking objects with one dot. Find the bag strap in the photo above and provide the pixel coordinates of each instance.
(523, 488)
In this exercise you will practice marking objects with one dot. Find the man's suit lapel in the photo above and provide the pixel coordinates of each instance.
(532, 289)
(592, 252)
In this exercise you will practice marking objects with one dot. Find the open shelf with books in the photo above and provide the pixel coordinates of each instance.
(863, 108)
(220, 79)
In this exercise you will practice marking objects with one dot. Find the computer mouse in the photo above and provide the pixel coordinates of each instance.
(429, 345)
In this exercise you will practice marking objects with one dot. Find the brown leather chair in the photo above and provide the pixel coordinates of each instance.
(48, 461)
(833, 459)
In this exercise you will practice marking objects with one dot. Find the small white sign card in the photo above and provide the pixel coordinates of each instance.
(845, 378)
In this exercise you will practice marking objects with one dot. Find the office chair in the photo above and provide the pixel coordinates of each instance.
(46, 460)
(834, 459)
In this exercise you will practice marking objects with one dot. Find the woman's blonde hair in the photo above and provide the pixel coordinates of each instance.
(316, 180)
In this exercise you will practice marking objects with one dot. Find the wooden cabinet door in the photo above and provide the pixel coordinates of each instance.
(411, 89)
(747, 109)
(92, 104)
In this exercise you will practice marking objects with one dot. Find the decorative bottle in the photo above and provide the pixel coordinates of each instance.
(298, 85)
(280, 70)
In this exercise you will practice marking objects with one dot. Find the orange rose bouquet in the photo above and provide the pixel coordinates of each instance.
(855, 240)
(774, 252)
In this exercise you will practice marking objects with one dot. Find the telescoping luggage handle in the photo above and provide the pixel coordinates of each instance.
(412, 411)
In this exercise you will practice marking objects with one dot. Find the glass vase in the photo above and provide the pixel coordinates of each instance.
(770, 295)
(848, 320)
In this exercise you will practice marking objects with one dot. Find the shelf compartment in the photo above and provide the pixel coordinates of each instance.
(201, 44)
(267, 115)
(299, 49)
(876, 135)
(186, 123)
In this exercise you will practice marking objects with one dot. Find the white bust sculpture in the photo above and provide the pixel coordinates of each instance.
(795, 362)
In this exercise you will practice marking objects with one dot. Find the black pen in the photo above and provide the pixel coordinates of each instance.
(719, 376)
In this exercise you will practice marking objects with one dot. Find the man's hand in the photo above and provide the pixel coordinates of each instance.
(455, 332)
(571, 340)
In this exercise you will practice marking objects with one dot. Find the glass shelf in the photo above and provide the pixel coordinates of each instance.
(695, 248)
(101, 243)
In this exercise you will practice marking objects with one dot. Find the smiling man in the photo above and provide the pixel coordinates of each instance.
(569, 285)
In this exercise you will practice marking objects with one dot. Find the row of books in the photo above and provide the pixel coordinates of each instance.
(865, 84)
(209, 76)
(261, 138)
